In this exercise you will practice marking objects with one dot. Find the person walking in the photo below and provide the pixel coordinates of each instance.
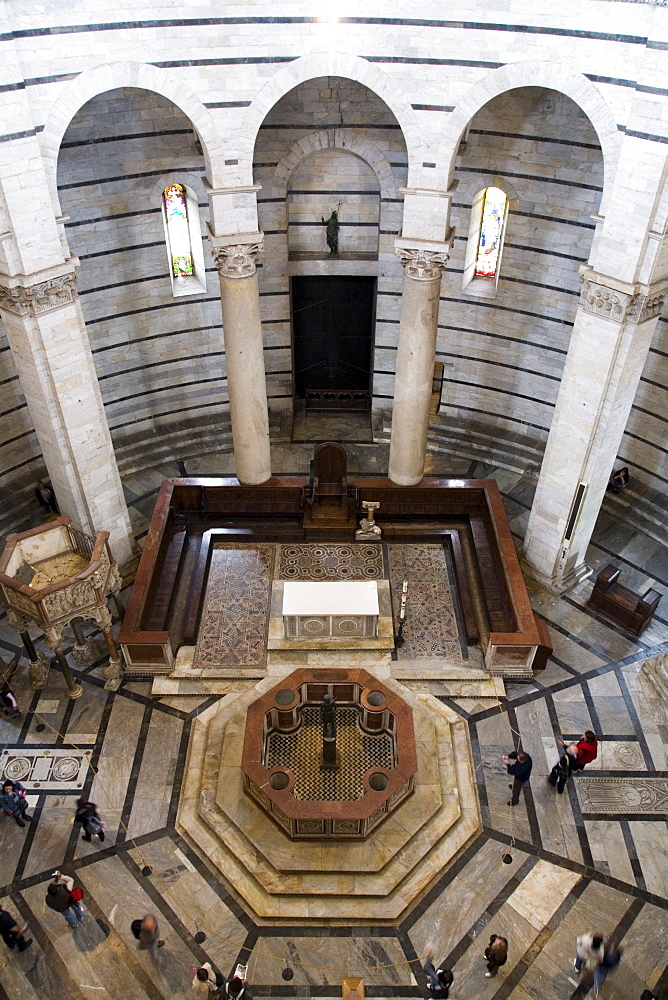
(11, 932)
(207, 982)
(88, 816)
(612, 954)
(10, 706)
(439, 981)
(588, 951)
(13, 801)
(496, 954)
(562, 770)
(519, 764)
(147, 932)
(62, 897)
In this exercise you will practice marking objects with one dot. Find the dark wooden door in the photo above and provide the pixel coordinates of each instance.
(332, 323)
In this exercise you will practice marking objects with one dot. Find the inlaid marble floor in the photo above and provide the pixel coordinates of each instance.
(593, 858)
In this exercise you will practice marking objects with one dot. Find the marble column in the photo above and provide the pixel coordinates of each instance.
(51, 352)
(611, 337)
(244, 357)
(415, 360)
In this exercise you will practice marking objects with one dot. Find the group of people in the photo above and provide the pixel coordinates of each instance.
(592, 954)
(575, 757)
(596, 955)
(14, 803)
(440, 980)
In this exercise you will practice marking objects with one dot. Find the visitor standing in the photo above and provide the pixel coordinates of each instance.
(13, 801)
(439, 981)
(588, 951)
(87, 815)
(496, 954)
(12, 932)
(518, 764)
(206, 981)
(235, 989)
(62, 897)
(46, 497)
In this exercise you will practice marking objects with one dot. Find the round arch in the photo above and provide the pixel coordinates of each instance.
(348, 139)
(565, 79)
(328, 63)
(142, 76)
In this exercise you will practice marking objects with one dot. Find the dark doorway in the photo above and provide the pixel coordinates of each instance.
(332, 322)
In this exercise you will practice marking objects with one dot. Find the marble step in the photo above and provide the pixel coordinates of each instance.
(324, 889)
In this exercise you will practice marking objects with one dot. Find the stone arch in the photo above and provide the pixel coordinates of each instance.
(566, 79)
(142, 76)
(348, 139)
(328, 63)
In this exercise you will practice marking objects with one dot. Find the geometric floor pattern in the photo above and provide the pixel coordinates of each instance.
(357, 751)
(235, 616)
(431, 624)
(578, 862)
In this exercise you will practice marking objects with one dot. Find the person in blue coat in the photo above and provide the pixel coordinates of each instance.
(519, 764)
(13, 801)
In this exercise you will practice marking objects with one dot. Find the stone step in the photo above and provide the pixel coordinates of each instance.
(324, 893)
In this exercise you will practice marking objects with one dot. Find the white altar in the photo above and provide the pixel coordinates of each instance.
(331, 610)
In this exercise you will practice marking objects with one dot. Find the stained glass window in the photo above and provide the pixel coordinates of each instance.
(176, 214)
(491, 232)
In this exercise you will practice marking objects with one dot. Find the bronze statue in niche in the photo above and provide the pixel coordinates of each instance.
(332, 229)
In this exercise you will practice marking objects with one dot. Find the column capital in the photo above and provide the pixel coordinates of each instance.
(236, 256)
(619, 301)
(423, 260)
(36, 294)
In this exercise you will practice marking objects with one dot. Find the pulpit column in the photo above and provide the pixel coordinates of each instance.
(418, 325)
(242, 332)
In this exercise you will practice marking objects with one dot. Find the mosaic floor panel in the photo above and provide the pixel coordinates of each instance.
(301, 752)
(431, 624)
(49, 770)
(235, 618)
(330, 562)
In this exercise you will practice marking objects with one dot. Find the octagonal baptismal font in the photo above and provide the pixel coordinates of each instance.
(370, 745)
(303, 831)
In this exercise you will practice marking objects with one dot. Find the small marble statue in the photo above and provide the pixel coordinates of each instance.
(368, 528)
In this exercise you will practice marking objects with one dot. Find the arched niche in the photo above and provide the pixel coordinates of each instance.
(330, 180)
(142, 76)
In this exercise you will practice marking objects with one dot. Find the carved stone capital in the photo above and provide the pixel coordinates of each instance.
(599, 300)
(101, 615)
(646, 307)
(53, 637)
(618, 306)
(237, 260)
(42, 297)
(17, 621)
(422, 265)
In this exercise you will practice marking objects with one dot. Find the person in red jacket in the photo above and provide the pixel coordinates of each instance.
(587, 749)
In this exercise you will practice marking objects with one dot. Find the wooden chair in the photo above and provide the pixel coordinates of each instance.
(633, 611)
(329, 500)
(330, 484)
